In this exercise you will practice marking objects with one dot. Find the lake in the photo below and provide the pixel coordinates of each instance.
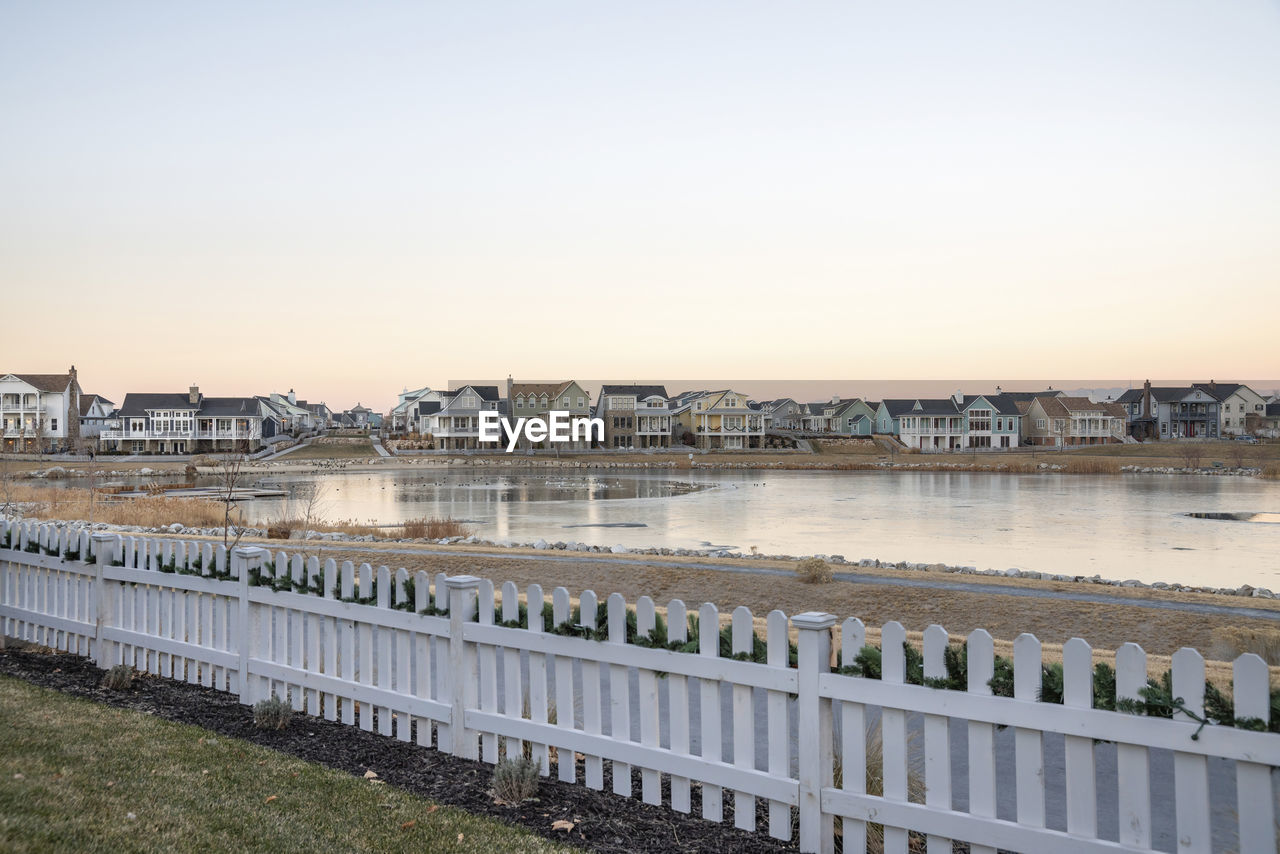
(1121, 526)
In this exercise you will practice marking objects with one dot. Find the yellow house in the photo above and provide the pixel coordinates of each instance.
(720, 420)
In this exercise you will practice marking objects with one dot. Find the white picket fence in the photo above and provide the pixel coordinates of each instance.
(457, 678)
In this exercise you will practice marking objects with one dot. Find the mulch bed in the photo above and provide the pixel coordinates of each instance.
(603, 822)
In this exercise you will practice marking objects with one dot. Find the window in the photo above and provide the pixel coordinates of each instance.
(1040, 423)
(1164, 428)
(519, 403)
(53, 424)
(581, 403)
(468, 402)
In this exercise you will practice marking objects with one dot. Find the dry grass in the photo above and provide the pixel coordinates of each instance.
(50, 502)
(1271, 471)
(1228, 642)
(350, 449)
(434, 529)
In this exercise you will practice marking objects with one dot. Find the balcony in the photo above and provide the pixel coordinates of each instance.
(185, 435)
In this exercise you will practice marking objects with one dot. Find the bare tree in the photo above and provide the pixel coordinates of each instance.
(229, 474)
(1191, 452)
(7, 478)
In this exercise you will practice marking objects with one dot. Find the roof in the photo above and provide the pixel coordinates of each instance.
(1067, 405)
(45, 382)
(1273, 410)
(896, 407)
(229, 406)
(1219, 390)
(86, 402)
(1029, 396)
(137, 403)
(428, 407)
(539, 389)
(1004, 404)
(640, 391)
(933, 406)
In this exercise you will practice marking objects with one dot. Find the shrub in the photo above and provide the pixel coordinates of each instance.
(814, 570)
(515, 780)
(280, 529)
(118, 678)
(272, 713)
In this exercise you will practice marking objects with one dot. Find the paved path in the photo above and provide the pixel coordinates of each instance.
(1099, 598)
(287, 450)
(377, 446)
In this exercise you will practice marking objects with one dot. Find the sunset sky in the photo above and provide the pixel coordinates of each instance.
(347, 199)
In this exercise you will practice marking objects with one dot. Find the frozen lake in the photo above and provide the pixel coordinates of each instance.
(1122, 526)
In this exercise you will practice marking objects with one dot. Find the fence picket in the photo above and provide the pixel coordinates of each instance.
(982, 741)
(619, 694)
(709, 709)
(382, 650)
(403, 653)
(650, 779)
(1254, 803)
(332, 588)
(297, 634)
(537, 678)
(853, 731)
(744, 736)
(1077, 690)
(312, 627)
(512, 693)
(1028, 744)
(778, 654)
(893, 731)
(592, 714)
(1133, 774)
(1190, 771)
(566, 768)
(488, 661)
(937, 738)
(422, 664)
(678, 711)
(347, 646)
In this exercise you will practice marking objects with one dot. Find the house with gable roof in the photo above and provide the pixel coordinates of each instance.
(455, 426)
(536, 400)
(634, 416)
(40, 411)
(722, 420)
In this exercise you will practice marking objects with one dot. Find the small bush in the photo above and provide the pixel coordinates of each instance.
(118, 678)
(272, 713)
(515, 780)
(814, 570)
(280, 529)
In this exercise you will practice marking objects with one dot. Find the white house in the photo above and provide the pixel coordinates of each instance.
(94, 412)
(187, 423)
(40, 411)
(456, 425)
(1237, 403)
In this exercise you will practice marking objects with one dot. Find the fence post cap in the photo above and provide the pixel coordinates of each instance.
(100, 536)
(461, 582)
(813, 620)
(249, 551)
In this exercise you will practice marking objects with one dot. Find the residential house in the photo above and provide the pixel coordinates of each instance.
(359, 416)
(94, 412)
(889, 415)
(634, 416)
(1070, 421)
(400, 419)
(990, 420)
(816, 417)
(1237, 402)
(292, 415)
(851, 418)
(536, 400)
(455, 426)
(1171, 412)
(722, 420)
(784, 413)
(40, 412)
(932, 425)
(188, 423)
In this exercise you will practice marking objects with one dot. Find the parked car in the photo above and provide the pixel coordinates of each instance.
(1248, 440)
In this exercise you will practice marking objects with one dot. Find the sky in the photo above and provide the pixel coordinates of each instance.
(348, 199)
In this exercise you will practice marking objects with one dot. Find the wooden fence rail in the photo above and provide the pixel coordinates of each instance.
(610, 695)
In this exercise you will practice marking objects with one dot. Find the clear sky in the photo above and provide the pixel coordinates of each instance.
(348, 198)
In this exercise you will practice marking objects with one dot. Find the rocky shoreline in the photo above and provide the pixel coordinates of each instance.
(728, 553)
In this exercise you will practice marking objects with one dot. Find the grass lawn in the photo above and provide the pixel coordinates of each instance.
(78, 776)
(348, 450)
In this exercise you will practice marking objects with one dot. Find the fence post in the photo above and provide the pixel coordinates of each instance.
(463, 593)
(817, 829)
(244, 558)
(104, 547)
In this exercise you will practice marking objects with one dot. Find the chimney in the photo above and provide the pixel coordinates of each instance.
(1146, 399)
(293, 398)
(958, 397)
(510, 384)
(998, 391)
(193, 394)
